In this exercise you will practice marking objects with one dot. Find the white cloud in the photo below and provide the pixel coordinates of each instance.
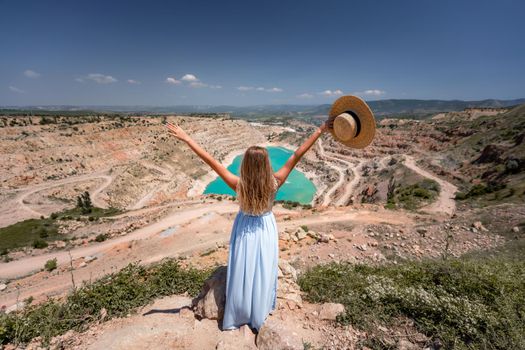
(132, 81)
(331, 92)
(31, 74)
(172, 81)
(305, 95)
(260, 88)
(101, 78)
(192, 81)
(17, 90)
(189, 77)
(371, 92)
(198, 84)
(80, 80)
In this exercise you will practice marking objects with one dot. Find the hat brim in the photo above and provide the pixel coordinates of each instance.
(360, 110)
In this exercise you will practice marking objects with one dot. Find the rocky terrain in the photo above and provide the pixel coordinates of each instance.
(445, 186)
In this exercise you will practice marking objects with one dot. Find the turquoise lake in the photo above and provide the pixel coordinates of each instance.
(297, 188)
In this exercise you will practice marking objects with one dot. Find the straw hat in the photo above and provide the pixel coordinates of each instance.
(354, 123)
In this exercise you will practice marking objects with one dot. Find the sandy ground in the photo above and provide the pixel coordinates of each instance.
(169, 324)
(196, 228)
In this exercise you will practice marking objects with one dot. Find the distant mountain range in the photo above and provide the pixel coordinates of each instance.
(400, 108)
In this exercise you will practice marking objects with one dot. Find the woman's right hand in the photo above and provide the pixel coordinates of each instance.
(177, 131)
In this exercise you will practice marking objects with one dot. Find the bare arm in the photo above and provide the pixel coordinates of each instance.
(287, 168)
(228, 177)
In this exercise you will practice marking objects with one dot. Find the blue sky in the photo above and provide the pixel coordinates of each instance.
(258, 52)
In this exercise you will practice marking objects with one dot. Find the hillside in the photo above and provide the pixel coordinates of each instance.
(381, 108)
(437, 217)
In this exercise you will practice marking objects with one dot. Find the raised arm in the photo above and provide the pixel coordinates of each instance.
(287, 168)
(228, 177)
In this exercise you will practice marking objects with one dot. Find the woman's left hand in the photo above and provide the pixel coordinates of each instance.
(177, 131)
(327, 125)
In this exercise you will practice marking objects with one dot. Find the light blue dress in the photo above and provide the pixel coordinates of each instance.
(251, 284)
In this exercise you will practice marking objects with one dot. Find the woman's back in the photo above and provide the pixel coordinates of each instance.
(257, 184)
(246, 206)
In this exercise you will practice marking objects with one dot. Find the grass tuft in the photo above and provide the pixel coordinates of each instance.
(118, 293)
(473, 302)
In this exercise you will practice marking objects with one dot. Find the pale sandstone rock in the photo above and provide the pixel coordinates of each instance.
(361, 247)
(287, 269)
(89, 258)
(404, 344)
(300, 234)
(295, 297)
(479, 226)
(329, 311)
(313, 234)
(324, 238)
(210, 302)
(274, 335)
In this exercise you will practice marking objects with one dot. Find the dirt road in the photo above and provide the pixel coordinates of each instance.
(445, 202)
(17, 209)
(29, 265)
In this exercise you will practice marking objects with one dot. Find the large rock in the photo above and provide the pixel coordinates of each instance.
(274, 335)
(210, 302)
(313, 234)
(300, 234)
(287, 270)
(404, 344)
(479, 226)
(329, 311)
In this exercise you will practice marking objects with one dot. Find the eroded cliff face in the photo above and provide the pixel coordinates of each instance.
(137, 164)
(145, 163)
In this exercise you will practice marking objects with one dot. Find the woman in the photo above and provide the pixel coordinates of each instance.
(251, 287)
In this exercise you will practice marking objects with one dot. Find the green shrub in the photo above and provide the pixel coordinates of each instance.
(24, 233)
(412, 196)
(119, 294)
(43, 232)
(479, 190)
(460, 196)
(475, 302)
(51, 264)
(39, 244)
(101, 237)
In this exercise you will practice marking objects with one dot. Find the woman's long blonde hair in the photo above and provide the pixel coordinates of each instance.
(257, 185)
